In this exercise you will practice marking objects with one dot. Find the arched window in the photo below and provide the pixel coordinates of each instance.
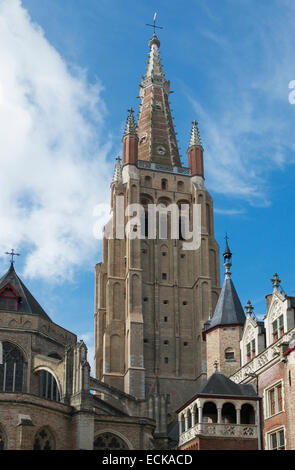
(109, 441)
(2, 439)
(48, 386)
(11, 368)
(247, 414)
(210, 412)
(228, 413)
(44, 440)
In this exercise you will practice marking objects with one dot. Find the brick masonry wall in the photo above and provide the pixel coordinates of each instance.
(220, 443)
(62, 423)
(217, 341)
(266, 380)
(43, 413)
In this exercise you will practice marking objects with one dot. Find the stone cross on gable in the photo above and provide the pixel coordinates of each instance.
(275, 281)
(249, 308)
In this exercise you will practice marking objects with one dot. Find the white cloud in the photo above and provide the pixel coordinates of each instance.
(229, 211)
(53, 157)
(248, 130)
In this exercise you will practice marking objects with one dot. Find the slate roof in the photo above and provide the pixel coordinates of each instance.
(28, 304)
(219, 384)
(229, 310)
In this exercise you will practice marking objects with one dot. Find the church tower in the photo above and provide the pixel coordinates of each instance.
(153, 296)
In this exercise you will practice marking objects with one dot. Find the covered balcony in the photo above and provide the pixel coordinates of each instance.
(219, 418)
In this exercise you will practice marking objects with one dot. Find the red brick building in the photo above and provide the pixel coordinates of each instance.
(249, 351)
(223, 415)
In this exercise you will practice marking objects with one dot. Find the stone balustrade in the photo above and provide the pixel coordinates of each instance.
(219, 430)
(165, 168)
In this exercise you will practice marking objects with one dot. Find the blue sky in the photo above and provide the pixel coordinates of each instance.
(69, 72)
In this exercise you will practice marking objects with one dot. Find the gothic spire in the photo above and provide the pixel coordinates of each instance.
(195, 140)
(130, 123)
(195, 152)
(154, 67)
(156, 134)
(118, 171)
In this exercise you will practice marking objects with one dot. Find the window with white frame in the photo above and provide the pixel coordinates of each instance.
(274, 397)
(276, 440)
(278, 328)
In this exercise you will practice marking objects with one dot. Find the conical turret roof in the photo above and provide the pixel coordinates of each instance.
(27, 304)
(229, 310)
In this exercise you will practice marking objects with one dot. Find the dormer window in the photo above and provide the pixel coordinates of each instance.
(8, 299)
(278, 328)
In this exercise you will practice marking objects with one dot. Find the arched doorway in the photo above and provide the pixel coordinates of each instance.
(247, 414)
(228, 413)
(209, 412)
(109, 441)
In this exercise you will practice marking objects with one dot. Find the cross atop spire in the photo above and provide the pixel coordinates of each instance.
(195, 140)
(12, 254)
(154, 25)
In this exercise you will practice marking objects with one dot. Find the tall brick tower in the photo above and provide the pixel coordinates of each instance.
(152, 296)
